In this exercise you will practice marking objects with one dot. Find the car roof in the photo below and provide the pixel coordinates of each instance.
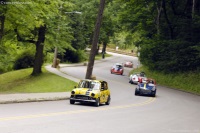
(89, 80)
(118, 63)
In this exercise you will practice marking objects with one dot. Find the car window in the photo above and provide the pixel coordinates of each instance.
(118, 66)
(89, 84)
(83, 84)
(151, 81)
(94, 85)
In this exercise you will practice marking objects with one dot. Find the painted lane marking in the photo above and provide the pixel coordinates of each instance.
(150, 100)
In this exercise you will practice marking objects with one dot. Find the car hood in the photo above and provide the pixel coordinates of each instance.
(147, 86)
(117, 69)
(85, 91)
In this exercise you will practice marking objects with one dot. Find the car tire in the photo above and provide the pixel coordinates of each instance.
(131, 82)
(136, 92)
(153, 94)
(97, 103)
(108, 101)
(72, 101)
(140, 92)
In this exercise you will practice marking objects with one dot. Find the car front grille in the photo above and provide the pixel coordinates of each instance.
(145, 91)
(83, 97)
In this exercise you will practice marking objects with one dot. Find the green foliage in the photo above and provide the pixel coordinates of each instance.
(8, 53)
(168, 30)
(73, 56)
(49, 57)
(168, 26)
(170, 56)
(24, 60)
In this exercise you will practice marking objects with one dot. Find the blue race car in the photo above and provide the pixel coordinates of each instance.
(147, 87)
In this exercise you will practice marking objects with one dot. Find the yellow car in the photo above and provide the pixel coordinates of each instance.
(92, 91)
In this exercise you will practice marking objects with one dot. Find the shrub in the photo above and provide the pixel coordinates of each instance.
(171, 56)
(73, 56)
(24, 60)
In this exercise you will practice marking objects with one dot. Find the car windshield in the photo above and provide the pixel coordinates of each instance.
(89, 84)
(118, 66)
(95, 85)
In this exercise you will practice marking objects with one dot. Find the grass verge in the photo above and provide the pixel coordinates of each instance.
(188, 82)
(21, 82)
(99, 56)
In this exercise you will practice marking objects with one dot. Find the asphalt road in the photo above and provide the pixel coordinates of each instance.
(171, 111)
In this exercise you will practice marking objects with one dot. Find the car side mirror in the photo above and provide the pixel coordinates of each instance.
(74, 86)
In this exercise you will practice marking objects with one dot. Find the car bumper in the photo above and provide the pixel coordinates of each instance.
(83, 100)
(116, 72)
(128, 66)
(134, 82)
(146, 91)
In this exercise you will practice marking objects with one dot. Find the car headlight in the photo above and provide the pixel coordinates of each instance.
(73, 92)
(153, 89)
(92, 94)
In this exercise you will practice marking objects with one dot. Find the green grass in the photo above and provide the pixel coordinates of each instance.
(99, 56)
(21, 82)
(188, 82)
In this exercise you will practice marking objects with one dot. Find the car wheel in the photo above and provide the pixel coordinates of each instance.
(153, 93)
(108, 101)
(72, 101)
(136, 92)
(131, 82)
(140, 92)
(97, 103)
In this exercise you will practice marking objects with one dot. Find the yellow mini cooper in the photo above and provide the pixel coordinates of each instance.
(92, 91)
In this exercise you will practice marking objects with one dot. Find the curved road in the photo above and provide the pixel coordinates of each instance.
(171, 111)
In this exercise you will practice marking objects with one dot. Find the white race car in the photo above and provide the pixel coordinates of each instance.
(137, 78)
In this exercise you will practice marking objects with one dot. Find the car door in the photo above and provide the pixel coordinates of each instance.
(103, 97)
(106, 91)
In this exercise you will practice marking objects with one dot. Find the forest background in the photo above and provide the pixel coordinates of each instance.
(165, 32)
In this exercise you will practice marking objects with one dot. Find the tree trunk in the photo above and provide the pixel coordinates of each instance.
(159, 9)
(104, 47)
(193, 9)
(37, 69)
(95, 40)
(171, 31)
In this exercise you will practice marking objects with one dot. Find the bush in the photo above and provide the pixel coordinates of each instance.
(171, 56)
(24, 60)
(73, 56)
(6, 63)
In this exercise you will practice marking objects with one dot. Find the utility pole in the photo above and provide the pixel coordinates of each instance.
(95, 40)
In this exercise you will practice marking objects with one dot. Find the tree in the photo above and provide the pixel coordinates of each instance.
(95, 40)
(173, 25)
(35, 23)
